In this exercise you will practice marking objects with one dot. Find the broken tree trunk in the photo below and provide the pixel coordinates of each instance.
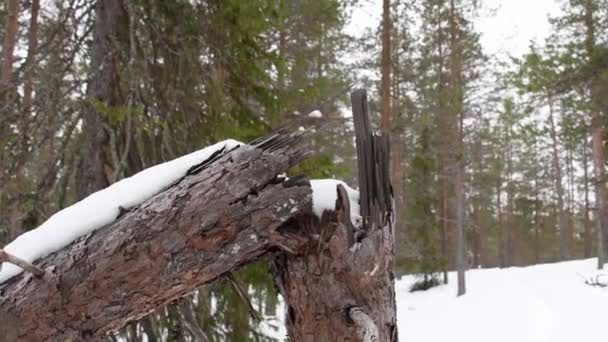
(343, 288)
(223, 214)
(337, 278)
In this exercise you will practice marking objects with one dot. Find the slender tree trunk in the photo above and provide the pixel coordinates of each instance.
(8, 48)
(457, 120)
(388, 124)
(600, 191)
(562, 220)
(508, 236)
(444, 222)
(461, 261)
(500, 235)
(571, 216)
(537, 223)
(385, 81)
(597, 136)
(28, 86)
(586, 223)
(442, 117)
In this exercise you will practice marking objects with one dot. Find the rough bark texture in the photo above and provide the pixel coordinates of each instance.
(223, 214)
(327, 289)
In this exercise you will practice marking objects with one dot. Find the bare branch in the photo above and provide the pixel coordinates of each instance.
(7, 257)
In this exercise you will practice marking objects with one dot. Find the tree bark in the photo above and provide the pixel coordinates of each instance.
(220, 216)
(586, 222)
(32, 48)
(388, 122)
(456, 126)
(385, 80)
(597, 136)
(500, 234)
(8, 48)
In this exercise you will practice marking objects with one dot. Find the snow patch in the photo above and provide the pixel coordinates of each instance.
(101, 208)
(325, 194)
(315, 114)
(541, 303)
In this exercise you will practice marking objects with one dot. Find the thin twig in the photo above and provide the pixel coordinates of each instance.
(241, 292)
(7, 257)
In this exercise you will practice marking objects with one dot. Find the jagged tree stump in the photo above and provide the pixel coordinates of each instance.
(342, 288)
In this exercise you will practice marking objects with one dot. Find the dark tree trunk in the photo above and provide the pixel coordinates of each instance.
(562, 219)
(586, 222)
(32, 38)
(103, 91)
(597, 138)
(8, 48)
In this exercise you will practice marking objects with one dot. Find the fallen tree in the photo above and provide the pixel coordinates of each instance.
(228, 211)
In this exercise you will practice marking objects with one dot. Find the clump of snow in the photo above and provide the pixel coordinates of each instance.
(315, 114)
(325, 194)
(542, 303)
(101, 208)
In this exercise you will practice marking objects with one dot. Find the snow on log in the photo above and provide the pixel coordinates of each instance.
(225, 212)
(102, 208)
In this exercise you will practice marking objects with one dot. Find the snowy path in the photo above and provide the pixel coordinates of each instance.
(539, 303)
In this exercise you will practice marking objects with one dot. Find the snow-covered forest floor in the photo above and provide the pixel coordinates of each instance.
(548, 302)
(542, 303)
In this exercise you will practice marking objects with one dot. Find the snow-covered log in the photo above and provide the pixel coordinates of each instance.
(224, 213)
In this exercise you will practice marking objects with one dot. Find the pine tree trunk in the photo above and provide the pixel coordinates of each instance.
(537, 224)
(32, 48)
(597, 136)
(586, 223)
(8, 48)
(457, 134)
(508, 227)
(562, 220)
(111, 37)
(600, 191)
(501, 240)
(385, 81)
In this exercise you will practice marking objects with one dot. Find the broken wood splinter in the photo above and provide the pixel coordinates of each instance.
(7, 257)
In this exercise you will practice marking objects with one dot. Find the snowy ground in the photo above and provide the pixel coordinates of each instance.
(549, 302)
(543, 303)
